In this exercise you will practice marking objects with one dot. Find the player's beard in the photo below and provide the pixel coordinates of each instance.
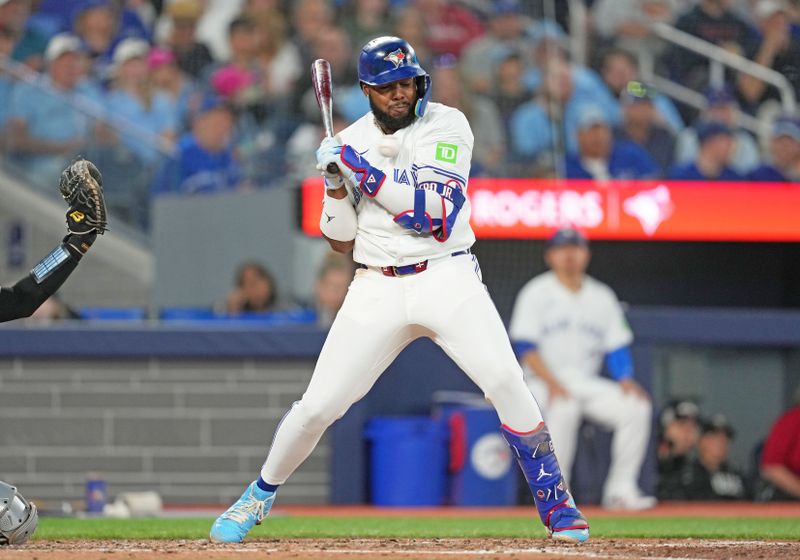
(393, 124)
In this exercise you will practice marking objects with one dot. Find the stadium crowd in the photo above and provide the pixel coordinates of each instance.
(192, 96)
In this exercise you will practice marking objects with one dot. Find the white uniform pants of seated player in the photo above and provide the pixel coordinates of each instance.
(602, 401)
(380, 316)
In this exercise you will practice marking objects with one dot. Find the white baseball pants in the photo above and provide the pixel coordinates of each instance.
(380, 316)
(602, 401)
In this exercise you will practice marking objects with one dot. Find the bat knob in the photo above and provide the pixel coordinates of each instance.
(332, 168)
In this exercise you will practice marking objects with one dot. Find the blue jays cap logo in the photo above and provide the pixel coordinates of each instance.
(396, 57)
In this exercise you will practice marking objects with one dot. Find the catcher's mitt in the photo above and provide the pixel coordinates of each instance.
(81, 185)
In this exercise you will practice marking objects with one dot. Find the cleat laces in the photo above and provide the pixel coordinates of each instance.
(240, 513)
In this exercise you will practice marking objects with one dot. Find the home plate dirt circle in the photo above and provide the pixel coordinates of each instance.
(433, 549)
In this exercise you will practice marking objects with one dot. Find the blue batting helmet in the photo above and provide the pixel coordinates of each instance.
(388, 59)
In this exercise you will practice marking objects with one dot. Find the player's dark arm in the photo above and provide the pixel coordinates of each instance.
(25, 297)
(81, 185)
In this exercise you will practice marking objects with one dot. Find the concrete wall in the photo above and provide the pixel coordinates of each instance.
(195, 431)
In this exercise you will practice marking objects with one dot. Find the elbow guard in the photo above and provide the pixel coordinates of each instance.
(338, 220)
(419, 219)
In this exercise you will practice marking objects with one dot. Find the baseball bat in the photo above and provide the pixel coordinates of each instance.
(323, 89)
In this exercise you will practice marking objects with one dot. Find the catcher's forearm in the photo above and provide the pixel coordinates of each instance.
(25, 297)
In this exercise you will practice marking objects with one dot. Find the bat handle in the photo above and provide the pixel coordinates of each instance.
(332, 168)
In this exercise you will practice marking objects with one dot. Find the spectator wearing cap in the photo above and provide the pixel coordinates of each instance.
(506, 33)
(716, 145)
(146, 111)
(780, 458)
(713, 21)
(45, 129)
(679, 432)
(626, 23)
(601, 157)
(722, 108)
(710, 476)
(620, 67)
(205, 161)
(490, 139)
(167, 76)
(641, 124)
(179, 28)
(784, 150)
(776, 49)
(565, 324)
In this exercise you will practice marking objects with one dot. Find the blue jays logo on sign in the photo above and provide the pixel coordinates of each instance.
(396, 57)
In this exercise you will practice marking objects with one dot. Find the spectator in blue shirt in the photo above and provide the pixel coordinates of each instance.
(600, 157)
(205, 161)
(711, 164)
(784, 149)
(721, 106)
(148, 113)
(45, 129)
(641, 124)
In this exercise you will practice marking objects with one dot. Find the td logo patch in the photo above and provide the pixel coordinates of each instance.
(446, 152)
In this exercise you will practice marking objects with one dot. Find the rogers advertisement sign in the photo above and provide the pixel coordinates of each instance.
(629, 210)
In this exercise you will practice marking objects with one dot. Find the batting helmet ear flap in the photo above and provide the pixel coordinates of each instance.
(423, 94)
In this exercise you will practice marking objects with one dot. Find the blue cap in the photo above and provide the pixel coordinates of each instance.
(710, 129)
(567, 236)
(721, 95)
(505, 7)
(591, 115)
(786, 125)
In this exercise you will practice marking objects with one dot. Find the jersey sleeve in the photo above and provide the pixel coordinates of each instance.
(781, 439)
(619, 332)
(525, 328)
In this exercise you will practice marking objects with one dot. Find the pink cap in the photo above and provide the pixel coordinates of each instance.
(159, 56)
(230, 80)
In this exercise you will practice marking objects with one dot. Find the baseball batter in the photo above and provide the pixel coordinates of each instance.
(565, 324)
(399, 203)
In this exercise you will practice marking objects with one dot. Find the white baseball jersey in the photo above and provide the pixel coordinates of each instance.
(572, 330)
(436, 147)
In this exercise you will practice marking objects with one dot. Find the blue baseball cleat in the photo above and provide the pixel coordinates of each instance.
(249, 510)
(566, 523)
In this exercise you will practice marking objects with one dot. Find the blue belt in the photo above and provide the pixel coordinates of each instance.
(408, 269)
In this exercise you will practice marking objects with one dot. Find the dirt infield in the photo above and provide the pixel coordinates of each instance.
(423, 549)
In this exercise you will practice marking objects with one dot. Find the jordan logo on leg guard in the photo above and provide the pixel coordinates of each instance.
(542, 473)
(557, 510)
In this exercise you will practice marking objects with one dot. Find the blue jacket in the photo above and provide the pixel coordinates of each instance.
(628, 160)
(690, 172)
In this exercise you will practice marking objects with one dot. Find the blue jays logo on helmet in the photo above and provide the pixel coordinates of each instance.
(389, 59)
(396, 57)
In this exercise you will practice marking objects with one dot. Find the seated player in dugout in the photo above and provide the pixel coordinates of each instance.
(81, 185)
(564, 325)
(397, 200)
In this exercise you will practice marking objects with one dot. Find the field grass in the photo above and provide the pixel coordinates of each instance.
(402, 527)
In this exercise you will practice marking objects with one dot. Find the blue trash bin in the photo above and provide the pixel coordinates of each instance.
(481, 469)
(408, 460)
